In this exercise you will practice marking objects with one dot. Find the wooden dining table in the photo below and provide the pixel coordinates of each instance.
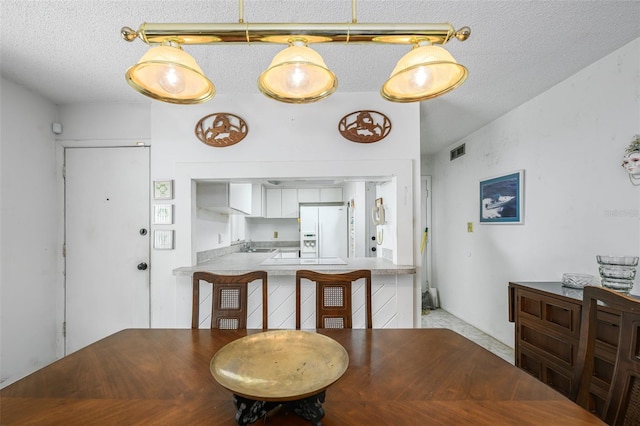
(394, 377)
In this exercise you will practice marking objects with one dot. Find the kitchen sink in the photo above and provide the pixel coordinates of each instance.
(285, 254)
(261, 250)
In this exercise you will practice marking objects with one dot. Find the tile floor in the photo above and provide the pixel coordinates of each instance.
(439, 318)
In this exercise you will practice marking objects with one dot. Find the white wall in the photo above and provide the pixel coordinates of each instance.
(30, 248)
(578, 200)
(386, 239)
(355, 192)
(259, 229)
(285, 141)
(213, 230)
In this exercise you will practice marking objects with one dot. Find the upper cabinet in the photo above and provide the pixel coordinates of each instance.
(240, 197)
(274, 203)
(255, 200)
(330, 195)
(284, 202)
(258, 200)
(308, 195)
(223, 197)
(289, 202)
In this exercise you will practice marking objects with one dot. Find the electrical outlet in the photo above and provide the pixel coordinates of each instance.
(275, 234)
(469, 226)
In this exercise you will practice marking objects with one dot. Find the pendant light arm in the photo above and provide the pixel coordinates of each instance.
(241, 11)
(353, 12)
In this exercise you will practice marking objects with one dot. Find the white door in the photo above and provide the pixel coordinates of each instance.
(107, 242)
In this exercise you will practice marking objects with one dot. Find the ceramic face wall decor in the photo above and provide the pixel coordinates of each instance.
(631, 160)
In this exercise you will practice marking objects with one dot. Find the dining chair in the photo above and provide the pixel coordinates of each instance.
(229, 296)
(333, 297)
(622, 400)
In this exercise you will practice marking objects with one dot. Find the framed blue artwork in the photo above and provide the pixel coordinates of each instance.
(501, 199)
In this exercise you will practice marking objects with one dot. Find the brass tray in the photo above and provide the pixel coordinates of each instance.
(279, 365)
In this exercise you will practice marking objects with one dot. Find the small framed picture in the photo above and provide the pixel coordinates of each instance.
(501, 199)
(163, 190)
(163, 214)
(163, 239)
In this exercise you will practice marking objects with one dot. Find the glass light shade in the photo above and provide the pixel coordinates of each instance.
(297, 74)
(423, 73)
(169, 74)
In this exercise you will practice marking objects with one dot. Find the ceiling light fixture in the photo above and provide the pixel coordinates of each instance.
(298, 74)
(169, 74)
(425, 72)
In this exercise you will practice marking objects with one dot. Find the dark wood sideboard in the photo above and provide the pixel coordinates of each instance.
(547, 330)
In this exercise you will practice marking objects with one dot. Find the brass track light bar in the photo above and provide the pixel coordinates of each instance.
(244, 32)
(298, 74)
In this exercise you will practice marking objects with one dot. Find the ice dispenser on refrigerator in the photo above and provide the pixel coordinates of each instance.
(308, 245)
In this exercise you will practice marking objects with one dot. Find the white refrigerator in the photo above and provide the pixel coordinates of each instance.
(324, 230)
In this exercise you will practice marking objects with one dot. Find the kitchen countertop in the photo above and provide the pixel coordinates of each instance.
(239, 263)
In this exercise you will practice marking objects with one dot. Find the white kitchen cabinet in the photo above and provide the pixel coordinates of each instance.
(282, 203)
(274, 202)
(308, 195)
(258, 201)
(223, 197)
(240, 197)
(285, 202)
(289, 202)
(330, 195)
(320, 195)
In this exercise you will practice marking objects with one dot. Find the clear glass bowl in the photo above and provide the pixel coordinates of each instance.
(577, 280)
(623, 286)
(617, 272)
(617, 260)
(574, 293)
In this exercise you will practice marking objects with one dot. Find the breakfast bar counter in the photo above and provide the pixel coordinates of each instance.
(239, 263)
(393, 289)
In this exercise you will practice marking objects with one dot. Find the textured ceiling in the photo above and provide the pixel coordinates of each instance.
(71, 51)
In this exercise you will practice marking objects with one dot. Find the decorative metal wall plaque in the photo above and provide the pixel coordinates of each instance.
(365, 126)
(221, 129)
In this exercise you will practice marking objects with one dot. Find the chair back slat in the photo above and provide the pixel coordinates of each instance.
(620, 404)
(333, 297)
(229, 299)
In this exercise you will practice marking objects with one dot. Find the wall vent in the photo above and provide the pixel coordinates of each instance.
(457, 152)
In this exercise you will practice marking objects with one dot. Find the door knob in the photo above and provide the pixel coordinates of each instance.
(143, 231)
(142, 266)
